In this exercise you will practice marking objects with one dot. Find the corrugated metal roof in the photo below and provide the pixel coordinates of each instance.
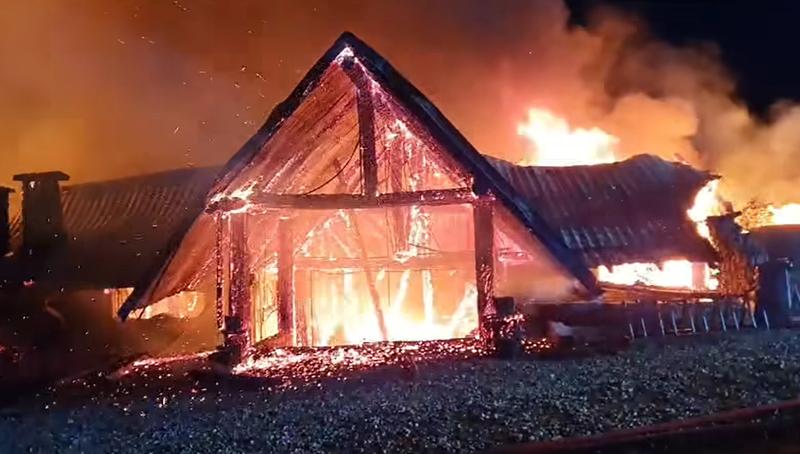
(628, 211)
(116, 229)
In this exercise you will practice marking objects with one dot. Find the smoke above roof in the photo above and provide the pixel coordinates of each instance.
(104, 89)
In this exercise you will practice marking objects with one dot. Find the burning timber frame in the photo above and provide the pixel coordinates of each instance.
(239, 301)
(487, 191)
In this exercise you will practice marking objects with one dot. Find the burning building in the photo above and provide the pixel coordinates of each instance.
(629, 220)
(359, 213)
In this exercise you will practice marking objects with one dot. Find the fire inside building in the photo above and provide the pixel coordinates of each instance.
(358, 213)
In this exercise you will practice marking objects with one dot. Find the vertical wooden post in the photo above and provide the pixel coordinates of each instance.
(483, 214)
(238, 324)
(366, 125)
(285, 287)
(302, 303)
(219, 258)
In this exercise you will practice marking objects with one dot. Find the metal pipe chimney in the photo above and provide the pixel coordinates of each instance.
(42, 215)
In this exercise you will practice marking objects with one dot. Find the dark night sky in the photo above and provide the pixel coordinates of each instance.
(758, 40)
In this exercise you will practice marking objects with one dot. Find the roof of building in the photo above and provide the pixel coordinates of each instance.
(123, 233)
(627, 211)
(607, 212)
(117, 229)
(418, 107)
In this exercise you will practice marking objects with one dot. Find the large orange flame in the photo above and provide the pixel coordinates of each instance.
(556, 143)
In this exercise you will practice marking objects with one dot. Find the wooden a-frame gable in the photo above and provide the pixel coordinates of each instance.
(355, 134)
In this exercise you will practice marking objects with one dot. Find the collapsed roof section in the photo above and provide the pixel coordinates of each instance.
(312, 144)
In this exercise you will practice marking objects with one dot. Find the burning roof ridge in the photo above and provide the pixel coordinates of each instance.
(635, 158)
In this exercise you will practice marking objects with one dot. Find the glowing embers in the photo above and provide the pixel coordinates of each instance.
(672, 274)
(294, 365)
(556, 143)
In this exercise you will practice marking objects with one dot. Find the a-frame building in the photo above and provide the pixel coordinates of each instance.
(359, 213)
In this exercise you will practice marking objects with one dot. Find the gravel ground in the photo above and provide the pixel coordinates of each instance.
(458, 406)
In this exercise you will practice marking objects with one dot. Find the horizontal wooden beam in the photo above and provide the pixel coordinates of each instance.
(352, 201)
(444, 260)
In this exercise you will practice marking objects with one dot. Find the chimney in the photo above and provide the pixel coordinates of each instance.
(5, 221)
(42, 217)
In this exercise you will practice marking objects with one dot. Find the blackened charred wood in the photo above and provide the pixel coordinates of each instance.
(302, 305)
(285, 286)
(239, 297)
(431, 197)
(366, 126)
(219, 274)
(483, 215)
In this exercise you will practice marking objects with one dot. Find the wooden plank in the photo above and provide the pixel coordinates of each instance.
(219, 260)
(431, 197)
(483, 213)
(302, 305)
(239, 297)
(441, 260)
(365, 106)
(285, 285)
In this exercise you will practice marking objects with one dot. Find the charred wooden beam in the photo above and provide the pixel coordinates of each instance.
(356, 201)
(237, 326)
(447, 260)
(365, 107)
(483, 213)
(219, 260)
(285, 286)
(302, 305)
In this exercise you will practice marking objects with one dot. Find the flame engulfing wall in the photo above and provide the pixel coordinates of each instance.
(150, 85)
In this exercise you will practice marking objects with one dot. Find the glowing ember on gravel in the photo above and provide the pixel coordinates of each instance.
(292, 364)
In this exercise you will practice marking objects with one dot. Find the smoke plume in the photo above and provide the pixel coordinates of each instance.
(103, 89)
